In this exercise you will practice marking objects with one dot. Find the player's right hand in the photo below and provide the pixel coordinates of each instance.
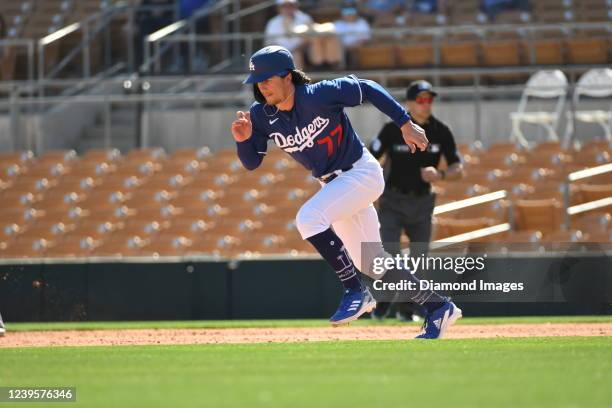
(242, 128)
(414, 136)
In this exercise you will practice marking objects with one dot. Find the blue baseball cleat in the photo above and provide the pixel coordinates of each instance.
(354, 303)
(439, 320)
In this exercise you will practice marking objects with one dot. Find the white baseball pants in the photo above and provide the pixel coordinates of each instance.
(346, 204)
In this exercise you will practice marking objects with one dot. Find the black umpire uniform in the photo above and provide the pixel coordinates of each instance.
(408, 202)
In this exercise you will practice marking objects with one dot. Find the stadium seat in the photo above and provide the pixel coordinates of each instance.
(592, 192)
(72, 247)
(120, 245)
(460, 51)
(416, 51)
(544, 215)
(376, 56)
(561, 236)
(167, 245)
(592, 223)
(585, 49)
(25, 248)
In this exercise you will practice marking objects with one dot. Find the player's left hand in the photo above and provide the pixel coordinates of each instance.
(429, 174)
(414, 136)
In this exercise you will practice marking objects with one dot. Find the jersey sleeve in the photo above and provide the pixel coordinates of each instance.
(383, 142)
(383, 101)
(252, 151)
(449, 147)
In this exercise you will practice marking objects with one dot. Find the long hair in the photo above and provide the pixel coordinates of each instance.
(298, 77)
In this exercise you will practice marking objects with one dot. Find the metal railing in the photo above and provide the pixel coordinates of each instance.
(479, 233)
(588, 206)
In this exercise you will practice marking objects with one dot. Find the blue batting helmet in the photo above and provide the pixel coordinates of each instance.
(268, 62)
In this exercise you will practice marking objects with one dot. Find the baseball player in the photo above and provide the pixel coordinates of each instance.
(308, 122)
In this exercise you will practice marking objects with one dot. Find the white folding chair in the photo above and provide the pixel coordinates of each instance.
(547, 84)
(595, 83)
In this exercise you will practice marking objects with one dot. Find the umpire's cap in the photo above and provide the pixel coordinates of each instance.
(417, 87)
(268, 62)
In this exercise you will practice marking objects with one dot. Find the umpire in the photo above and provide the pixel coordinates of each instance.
(407, 203)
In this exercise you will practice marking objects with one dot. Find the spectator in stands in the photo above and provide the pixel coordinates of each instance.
(285, 29)
(383, 12)
(353, 31)
(493, 7)
(428, 7)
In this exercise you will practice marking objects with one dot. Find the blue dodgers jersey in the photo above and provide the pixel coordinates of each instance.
(316, 132)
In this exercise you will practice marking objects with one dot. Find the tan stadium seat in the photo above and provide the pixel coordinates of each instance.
(544, 215)
(57, 156)
(450, 226)
(121, 182)
(110, 214)
(184, 167)
(167, 245)
(592, 192)
(21, 158)
(49, 231)
(236, 226)
(25, 248)
(76, 184)
(201, 154)
(35, 185)
(563, 236)
(153, 154)
(73, 247)
(101, 156)
(262, 244)
(592, 223)
(144, 228)
(587, 50)
(119, 245)
(102, 198)
(460, 51)
(214, 244)
(192, 228)
(95, 229)
(95, 170)
(19, 199)
(416, 52)
(159, 214)
(376, 56)
(138, 169)
(145, 197)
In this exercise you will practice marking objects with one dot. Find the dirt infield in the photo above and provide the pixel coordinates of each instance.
(287, 335)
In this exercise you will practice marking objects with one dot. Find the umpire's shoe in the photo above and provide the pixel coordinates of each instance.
(439, 320)
(354, 303)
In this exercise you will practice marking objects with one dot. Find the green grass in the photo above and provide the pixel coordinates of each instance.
(215, 324)
(535, 372)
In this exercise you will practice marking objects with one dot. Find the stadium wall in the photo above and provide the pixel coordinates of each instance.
(263, 289)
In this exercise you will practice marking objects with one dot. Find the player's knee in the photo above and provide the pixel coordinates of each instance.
(310, 220)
